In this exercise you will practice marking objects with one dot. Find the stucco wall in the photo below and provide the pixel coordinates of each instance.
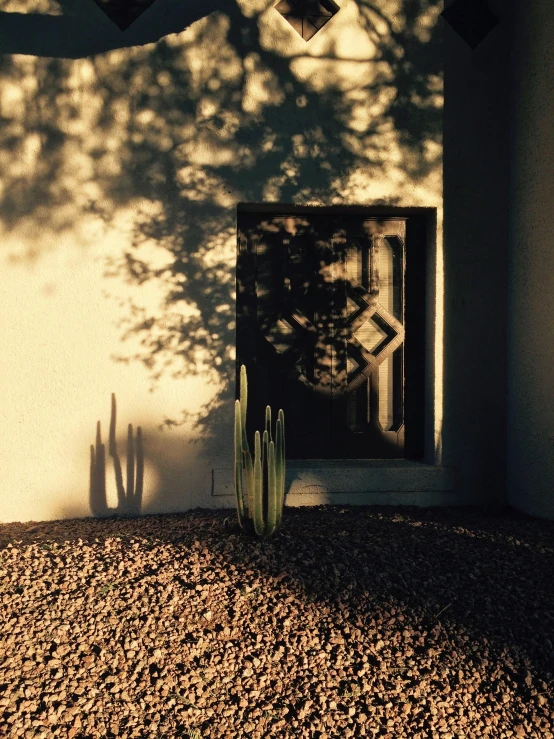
(531, 318)
(122, 160)
(476, 238)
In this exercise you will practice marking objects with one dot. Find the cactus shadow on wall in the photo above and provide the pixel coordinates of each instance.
(129, 495)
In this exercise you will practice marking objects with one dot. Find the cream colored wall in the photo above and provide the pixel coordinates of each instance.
(138, 156)
(58, 335)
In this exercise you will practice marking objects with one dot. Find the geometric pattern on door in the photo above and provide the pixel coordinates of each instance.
(372, 333)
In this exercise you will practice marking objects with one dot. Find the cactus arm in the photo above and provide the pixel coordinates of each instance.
(92, 485)
(243, 404)
(282, 460)
(139, 485)
(249, 466)
(268, 421)
(101, 470)
(113, 454)
(265, 469)
(92, 468)
(282, 417)
(112, 427)
(98, 502)
(272, 492)
(100, 478)
(238, 463)
(119, 483)
(130, 465)
(283, 455)
(279, 471)
(258, 487)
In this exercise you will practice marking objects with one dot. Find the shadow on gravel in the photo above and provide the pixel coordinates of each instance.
(483, 576)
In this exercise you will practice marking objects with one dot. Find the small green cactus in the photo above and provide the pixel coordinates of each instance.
(264, 476)
(98, 475)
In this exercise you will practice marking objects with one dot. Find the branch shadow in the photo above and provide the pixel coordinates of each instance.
(184, 130)
(85, 30)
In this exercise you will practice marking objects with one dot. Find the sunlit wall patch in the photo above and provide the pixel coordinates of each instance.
(123, 12)
(307, 17)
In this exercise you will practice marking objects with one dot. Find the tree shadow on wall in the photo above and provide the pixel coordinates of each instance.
(185, 128)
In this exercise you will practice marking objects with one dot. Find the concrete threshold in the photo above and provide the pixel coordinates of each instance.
(358, 482)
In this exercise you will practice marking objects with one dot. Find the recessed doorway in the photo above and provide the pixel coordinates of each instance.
(330, 325)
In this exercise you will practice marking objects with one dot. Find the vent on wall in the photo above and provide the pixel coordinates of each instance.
(471, 19)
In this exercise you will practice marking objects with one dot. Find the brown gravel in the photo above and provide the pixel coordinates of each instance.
(349, 622)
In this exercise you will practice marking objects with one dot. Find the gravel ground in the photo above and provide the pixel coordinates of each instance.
(349, 622)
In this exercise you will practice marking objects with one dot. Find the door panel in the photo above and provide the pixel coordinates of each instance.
(320, 327)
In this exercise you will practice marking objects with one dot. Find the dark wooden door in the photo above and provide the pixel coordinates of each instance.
(320, 328)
